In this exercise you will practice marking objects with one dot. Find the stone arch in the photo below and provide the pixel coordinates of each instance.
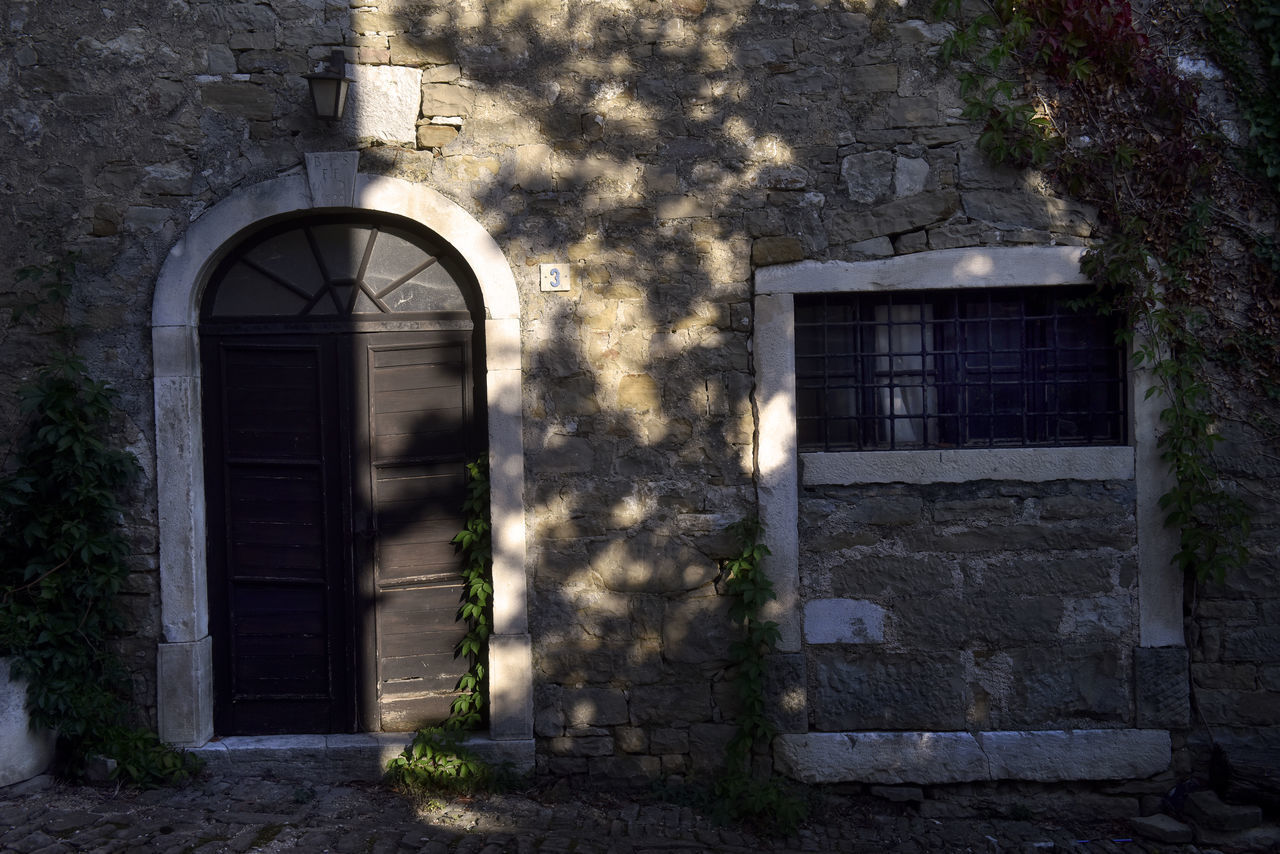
(184, 666)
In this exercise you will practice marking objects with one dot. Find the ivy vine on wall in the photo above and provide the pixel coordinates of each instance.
(1076, 91)
(743, 792)
(64, 561)
(436, 760)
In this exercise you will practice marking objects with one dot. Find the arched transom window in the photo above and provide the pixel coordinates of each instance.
(336, 267)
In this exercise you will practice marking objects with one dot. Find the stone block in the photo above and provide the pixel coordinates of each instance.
(639, 393)
(184, 696)
(766, 251)
(220, 60)
(565, 455)
(1070, 682)
(447, 99)
(1162, 687)
(671, 702)
(585, 745)
(866, 690)
(269, 61)
(909, 176)
(168, 179)
(594, 706)
(1262, 838)
(436, 136)
(651, 563)
(1048, 757)
(929, 758)
(375, 21)
(952, 621)
(532, 169)
(24, 752)
(1030, 210)
(891, 218)
(239, 98)
(754, 53)
(1032, 535)
(871, 78)
(631, 739)
(1240, 677)
(787, 700)
(708, 746)
(682, 207)
(867, 177)
(890, 575)
(782, 178)
(1029, 574)
(843, 621)
(1259, 644)
(420, 50)
(669, 741)
(698, 631)
(1083, 507)
(825, 520)
(911, 112)
(893, 758)
(974, 509)
(1239, 708)
(625, 770)
(383, 103)
(915, 241)
(1205, 808)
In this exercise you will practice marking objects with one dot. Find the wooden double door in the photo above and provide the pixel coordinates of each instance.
(335, 467)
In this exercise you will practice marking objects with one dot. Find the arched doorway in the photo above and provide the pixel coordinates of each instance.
(337, 353)
(185, 682)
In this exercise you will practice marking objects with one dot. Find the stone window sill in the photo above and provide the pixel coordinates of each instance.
(958, 466)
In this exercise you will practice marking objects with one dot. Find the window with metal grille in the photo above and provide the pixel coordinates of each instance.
(998, 367)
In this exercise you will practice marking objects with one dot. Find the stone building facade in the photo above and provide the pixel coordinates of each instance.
(693, 169)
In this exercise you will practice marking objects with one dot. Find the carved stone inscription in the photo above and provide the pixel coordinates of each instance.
(332, 177)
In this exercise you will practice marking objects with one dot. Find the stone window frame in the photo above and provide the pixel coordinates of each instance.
(331, 182)
(781, 472)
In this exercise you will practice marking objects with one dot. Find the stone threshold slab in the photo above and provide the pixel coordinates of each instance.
(340, 758)
(1047, 756)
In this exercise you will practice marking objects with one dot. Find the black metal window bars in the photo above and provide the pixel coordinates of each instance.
(981, 368)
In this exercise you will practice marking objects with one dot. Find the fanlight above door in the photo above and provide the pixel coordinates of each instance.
(330, 269)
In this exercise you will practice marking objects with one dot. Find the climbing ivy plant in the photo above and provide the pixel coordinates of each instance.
(1244, 39)
(1073, 89)
(63, 561)
(437, 760)
(475, 541)
(743, 793)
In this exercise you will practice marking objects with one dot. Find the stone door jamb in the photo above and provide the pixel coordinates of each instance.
(184, 663)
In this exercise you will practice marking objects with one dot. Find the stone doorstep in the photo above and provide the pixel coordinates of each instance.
(339, 758)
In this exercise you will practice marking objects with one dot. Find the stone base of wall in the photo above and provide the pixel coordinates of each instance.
(1045, 756)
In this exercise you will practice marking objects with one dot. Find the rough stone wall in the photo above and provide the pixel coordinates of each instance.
(664, 149)
(978, 606)
(1234, 625)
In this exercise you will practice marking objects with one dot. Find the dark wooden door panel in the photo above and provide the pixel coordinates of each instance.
(338, 462)
(275, 570)
(417, 451)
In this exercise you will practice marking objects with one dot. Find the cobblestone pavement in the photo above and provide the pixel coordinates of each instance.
(221, 814)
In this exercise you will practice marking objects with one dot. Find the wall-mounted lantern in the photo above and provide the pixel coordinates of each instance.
(329, 87)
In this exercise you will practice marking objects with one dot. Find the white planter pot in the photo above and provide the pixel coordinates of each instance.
(24, 753)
